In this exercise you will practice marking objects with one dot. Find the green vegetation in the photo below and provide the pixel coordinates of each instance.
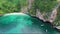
(44, 5)
(8, 6)
(57, 20)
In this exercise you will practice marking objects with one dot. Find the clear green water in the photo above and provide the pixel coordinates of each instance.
(24, 24)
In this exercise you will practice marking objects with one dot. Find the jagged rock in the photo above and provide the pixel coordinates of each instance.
(58, 27)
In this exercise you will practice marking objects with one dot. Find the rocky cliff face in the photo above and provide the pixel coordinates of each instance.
(44, 12)
(52, 17)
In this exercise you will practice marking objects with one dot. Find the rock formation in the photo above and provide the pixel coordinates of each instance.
(51, 18)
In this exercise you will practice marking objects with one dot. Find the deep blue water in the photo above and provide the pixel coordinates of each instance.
(24, 24)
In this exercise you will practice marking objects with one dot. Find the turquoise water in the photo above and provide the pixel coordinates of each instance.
(24, 24)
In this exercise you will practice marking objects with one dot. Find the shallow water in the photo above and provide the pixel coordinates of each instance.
(24, 24)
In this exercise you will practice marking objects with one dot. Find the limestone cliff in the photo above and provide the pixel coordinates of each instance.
(47, 14)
